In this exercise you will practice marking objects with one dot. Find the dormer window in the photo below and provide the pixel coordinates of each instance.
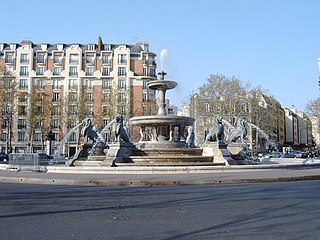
(9, 58)
(91, 47)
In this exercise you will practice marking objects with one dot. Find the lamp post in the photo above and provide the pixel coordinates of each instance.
(50, 138)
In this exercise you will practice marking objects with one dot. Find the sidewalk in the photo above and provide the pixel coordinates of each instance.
(157, 176)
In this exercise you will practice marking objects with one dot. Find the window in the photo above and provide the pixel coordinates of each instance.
(89, 59)
(8, 69)
(55, 123)
(122, 71)
(122, 59)
(21, 136)
(56, 97)
(72, 97)
(56, 71)
(105, 97)
(22, 110)
(24, 71)
(91, 47)
(55, 110)
(105, 59)
(57, 136)
(105, 71)
(41, 58)
(89, 97)
(22, 97)
(24, 58)
(4, 136)
(144, 71)
(57, 59)
(37, 137)
(89, 71)
(121, 83)
(89, 110)
(23, 83)
(105, 84)
(105, 110)
(72, 109)
(74, 59)
(73, 137)
(89, 84)
(122, 110)
(121, 97)
(9, 58)
(145, 97)
(56, 84)
(73, 71)
(40, 83)
(22, 124)
(40, 71)
(144, 84)
(73, 84)
(152, 72)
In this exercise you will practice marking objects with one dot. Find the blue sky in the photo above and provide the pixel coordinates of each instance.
(271, 43)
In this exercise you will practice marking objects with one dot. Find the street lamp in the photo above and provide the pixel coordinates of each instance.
(50, 138)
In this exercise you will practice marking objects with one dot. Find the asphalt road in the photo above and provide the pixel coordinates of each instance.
(243, 211)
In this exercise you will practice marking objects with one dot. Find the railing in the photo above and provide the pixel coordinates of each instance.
(33, 161)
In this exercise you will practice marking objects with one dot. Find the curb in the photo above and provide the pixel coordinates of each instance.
(81, 182)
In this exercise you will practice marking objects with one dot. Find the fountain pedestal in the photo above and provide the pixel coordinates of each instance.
(118, 153)
(219, 151)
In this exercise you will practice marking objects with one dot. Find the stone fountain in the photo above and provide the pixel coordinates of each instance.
(165, 139)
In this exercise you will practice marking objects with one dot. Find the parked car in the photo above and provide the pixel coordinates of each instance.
(44, 156)
(273, 155)
(4, 157)
(296, 154)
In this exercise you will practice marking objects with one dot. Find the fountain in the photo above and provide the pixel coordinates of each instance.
(165, 139)
(264, 135)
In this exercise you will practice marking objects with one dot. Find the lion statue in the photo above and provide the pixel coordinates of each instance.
(87, 130)
(119, 131)
(239, 133)
(216, 133)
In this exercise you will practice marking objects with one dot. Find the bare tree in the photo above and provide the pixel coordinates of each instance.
(218, 95)
(313, 110)
(39, 115)
(8, 97)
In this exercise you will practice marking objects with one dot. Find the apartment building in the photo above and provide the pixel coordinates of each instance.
(95, 80)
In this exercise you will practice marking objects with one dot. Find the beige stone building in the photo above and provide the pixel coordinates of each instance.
(95, 80)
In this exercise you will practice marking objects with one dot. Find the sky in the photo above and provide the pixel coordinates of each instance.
(274, 44)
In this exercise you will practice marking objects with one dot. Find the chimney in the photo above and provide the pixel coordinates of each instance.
(100, 44)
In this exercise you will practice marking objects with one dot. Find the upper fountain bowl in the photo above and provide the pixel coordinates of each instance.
(162, 84)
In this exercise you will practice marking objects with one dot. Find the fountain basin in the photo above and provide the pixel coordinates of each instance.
(162, 84)
(162, 130)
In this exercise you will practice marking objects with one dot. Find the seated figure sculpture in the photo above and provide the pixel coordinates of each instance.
(216, 133)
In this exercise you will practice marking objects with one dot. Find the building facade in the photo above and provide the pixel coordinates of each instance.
(270, 126)
(77, 80)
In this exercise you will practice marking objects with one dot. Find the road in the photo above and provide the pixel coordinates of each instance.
(243, 211)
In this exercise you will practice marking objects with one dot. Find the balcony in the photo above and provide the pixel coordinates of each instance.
(122, 61)
(24, 61)
(75, 74)
(24, 73)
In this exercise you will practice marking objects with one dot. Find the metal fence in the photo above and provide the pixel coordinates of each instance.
(33, 161)
(24, 160)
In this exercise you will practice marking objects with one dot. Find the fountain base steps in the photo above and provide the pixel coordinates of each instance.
(163, 151)
(167, 159)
